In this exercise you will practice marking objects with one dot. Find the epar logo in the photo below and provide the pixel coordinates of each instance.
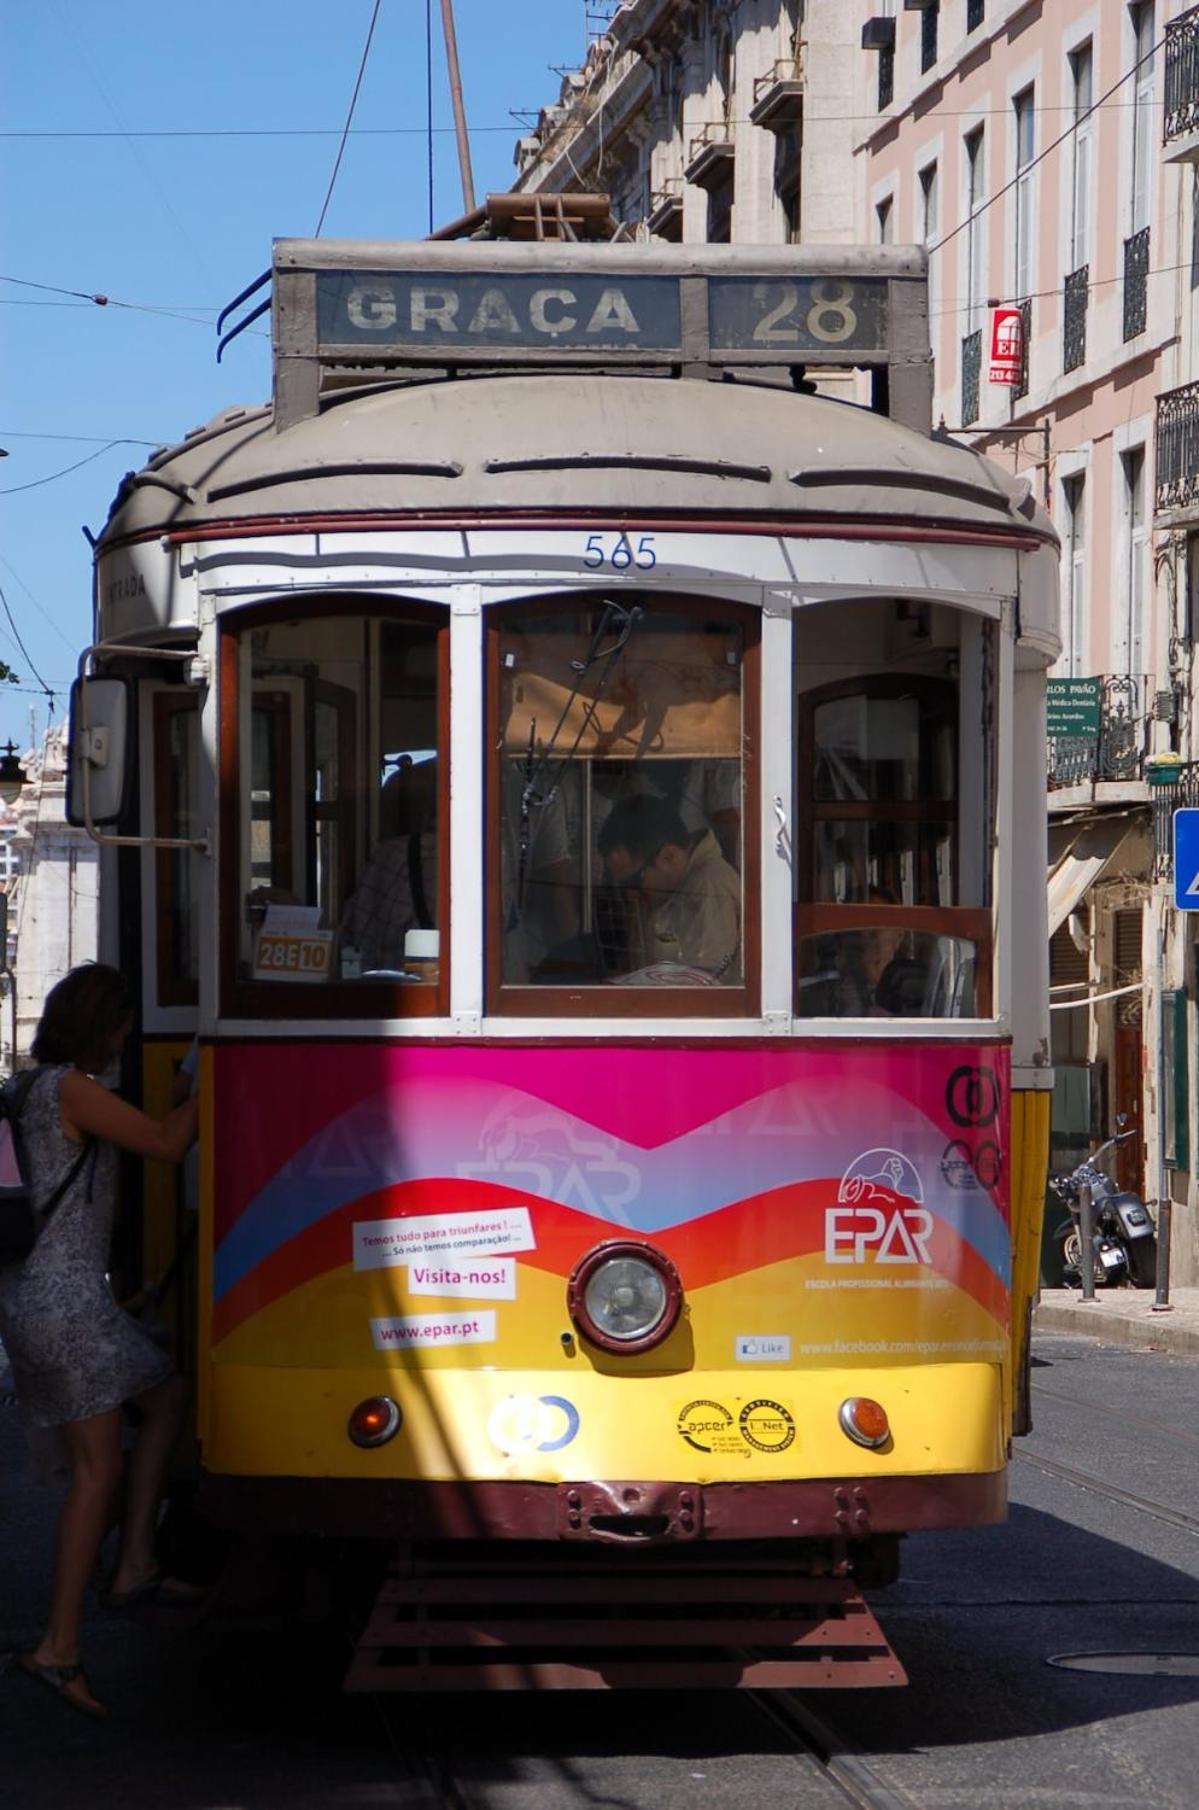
(879, 1214)
(897, 1235)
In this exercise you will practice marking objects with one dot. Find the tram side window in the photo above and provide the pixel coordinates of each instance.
(177, 815)
(620, 785)
(341, 858)
(895, 805)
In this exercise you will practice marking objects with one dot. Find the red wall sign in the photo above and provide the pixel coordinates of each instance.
(1006, 345)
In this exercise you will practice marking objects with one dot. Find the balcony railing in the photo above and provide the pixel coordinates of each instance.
(1136, 283)
(710, 156)
(1181, 794)
(1117, 751)
(778, 94)
(1182, 76)
(1176, 448)
(1021, 388)
(1074, 318)
(972, 358)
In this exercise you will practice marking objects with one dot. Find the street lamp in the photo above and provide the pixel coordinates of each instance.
(12, 774)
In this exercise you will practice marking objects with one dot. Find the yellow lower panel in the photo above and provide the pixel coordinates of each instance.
(707, 1427)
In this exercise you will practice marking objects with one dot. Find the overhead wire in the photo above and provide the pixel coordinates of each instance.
(366, 51)
(1027, 169)
(36, 483)
(16, 635)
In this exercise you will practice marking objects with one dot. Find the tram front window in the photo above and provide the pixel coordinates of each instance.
(341, 857)
(895, 808)
(620, 791)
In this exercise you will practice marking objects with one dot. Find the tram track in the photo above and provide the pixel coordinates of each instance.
(831, 1769)
(1126, 1498)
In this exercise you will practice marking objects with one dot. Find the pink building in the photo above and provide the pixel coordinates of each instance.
(1035, 149)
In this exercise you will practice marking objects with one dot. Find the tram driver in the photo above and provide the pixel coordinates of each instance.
(690, 895)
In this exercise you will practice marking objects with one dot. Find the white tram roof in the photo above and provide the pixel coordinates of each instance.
(568, 442)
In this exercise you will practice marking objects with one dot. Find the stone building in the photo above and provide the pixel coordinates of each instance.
(52, 909)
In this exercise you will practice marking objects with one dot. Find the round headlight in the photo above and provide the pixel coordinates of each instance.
(625, 1296)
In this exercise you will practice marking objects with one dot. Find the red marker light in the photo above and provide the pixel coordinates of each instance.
(375, 1421)
(865, 1421)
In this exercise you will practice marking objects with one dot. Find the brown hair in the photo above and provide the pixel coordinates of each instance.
(83, 1016)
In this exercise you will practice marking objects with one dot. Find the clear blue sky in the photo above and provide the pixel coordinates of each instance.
(175, 225)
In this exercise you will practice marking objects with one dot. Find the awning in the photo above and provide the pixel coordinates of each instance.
(1083, 860)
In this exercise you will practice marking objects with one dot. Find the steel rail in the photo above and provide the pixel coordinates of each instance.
(1084, 1480)
(838, 1757)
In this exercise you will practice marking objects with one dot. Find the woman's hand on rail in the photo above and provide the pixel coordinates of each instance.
(88, 1108)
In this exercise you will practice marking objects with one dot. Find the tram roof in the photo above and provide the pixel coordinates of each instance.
(570, 443)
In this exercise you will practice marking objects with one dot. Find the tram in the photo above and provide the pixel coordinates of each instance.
(583, 789)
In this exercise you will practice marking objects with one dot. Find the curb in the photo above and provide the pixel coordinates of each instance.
(1146, 1330)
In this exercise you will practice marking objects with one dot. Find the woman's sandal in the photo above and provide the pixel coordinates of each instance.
(60, 1679)
(128, 1599)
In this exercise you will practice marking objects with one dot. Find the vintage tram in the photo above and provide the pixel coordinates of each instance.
(584, 790)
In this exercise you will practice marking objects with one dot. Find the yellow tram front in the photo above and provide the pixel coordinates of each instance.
(593, 819)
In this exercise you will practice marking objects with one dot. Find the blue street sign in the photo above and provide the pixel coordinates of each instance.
(1186, 860)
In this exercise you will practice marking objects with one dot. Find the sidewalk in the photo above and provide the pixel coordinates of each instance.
(1123, 1316)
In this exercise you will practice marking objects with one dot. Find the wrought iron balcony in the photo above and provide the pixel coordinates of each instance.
(778, 94)
(972, 358)
(1182, 77)
(1021, 388)
(1117, 751)
(1176, 449)
(1182, 793)
(711, 153)
(665, 217)
(1136, 283)
(1074, 318)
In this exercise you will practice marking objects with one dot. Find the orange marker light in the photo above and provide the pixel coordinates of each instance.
(375, 1421)
(865, 1421)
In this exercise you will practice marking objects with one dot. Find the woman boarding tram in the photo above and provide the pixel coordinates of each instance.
(653, 1204)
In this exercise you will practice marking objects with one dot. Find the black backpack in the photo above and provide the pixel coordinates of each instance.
(21, 1222)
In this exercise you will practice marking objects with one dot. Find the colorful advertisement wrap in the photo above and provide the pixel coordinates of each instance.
(422, 1207)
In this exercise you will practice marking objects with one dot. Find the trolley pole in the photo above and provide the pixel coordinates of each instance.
(1086, 1238)
(455, 74)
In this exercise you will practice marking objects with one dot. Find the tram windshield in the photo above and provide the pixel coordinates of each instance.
(621, 786)
(340, 727)
(895, 808)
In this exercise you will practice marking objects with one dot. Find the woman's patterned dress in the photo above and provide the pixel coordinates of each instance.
(74, 1352)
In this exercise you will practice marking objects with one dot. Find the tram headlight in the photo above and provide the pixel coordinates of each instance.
(865, 1421)
(625, 1296)
(375, 1421)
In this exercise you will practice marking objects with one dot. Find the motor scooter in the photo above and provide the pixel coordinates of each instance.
(1123, 1239)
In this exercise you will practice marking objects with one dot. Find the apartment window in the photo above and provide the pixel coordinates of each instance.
(1131, 648)
(1141, 20)
(1082, 96)
(884, 214)
(1025, 145)
(930, 19)
(1074, 551)
(930, 222)
(975, 229)
(886, 76)
(976, 11)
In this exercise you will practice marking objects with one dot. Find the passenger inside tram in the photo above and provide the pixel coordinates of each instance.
(397, 890)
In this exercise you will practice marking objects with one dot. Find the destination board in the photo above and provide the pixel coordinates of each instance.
(431, 312)
(426, 311)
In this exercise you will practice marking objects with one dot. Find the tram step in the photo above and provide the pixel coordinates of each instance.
(474, 1629)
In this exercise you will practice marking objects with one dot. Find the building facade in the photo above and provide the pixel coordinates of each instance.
(52, 895)
(1045, 156)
